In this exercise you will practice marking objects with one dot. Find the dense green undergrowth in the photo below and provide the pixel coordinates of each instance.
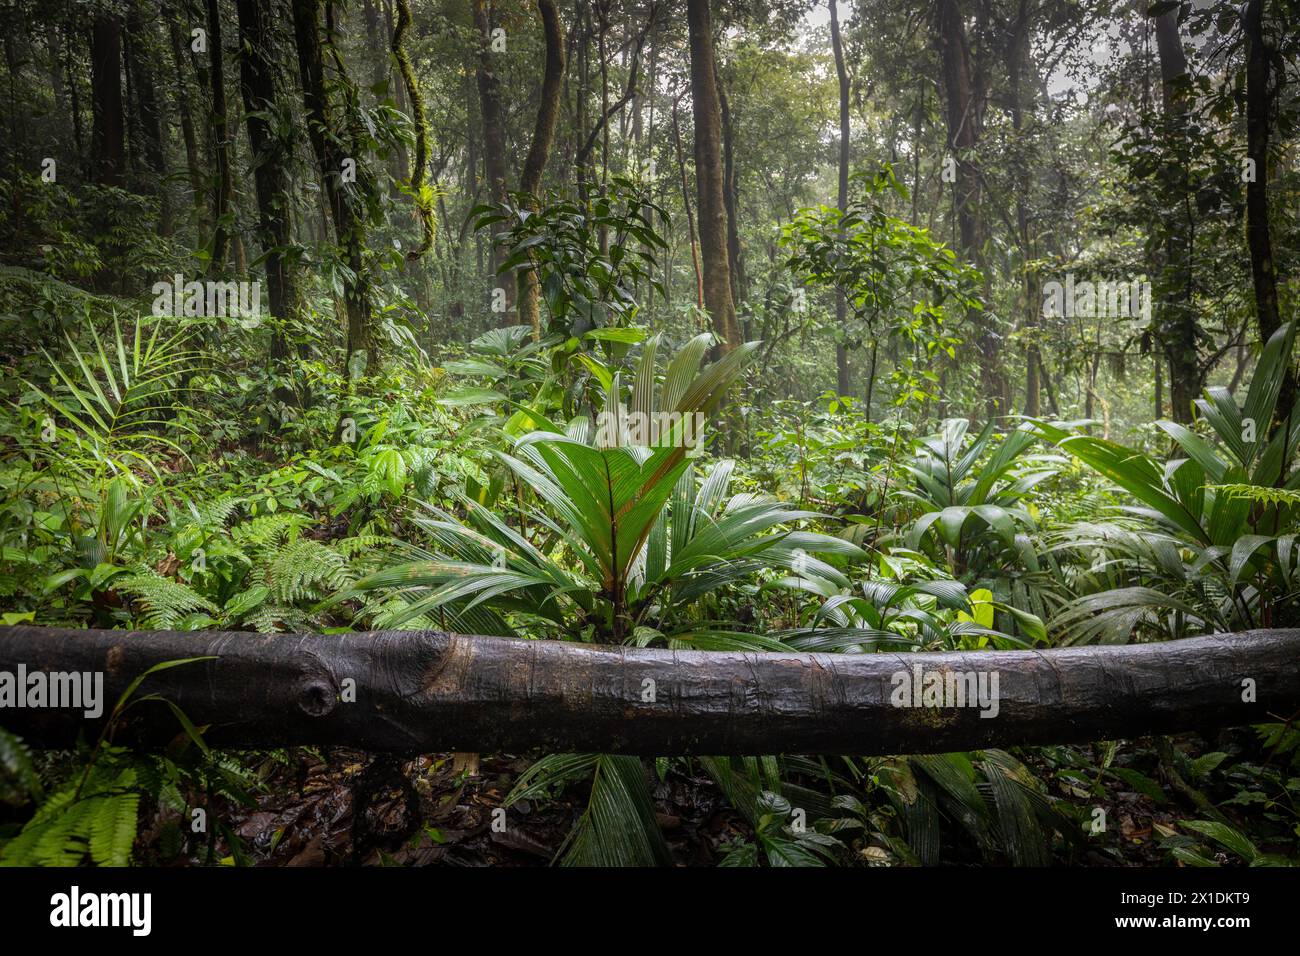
(167, 472)
(146, 485)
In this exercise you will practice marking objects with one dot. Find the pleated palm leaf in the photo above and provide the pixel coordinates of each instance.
(974, 519)
(925, 615)
(625, 544)
(117, 397)
(625, 540)
(1213, 542)
(974, 510)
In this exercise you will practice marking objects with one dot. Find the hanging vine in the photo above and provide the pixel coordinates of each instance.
(420, 190)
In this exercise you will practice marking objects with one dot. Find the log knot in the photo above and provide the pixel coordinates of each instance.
(317, 697)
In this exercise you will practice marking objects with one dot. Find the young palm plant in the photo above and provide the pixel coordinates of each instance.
(119, 395)
(974, 518)
(1212, 544)
(627, 547)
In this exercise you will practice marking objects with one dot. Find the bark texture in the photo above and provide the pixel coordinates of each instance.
(539, 151)
(425, 691)
(494, 138)
(1178, 330)
(349, 218)
(709, 179)
(109, 132)
(965, 96)
(258, 64)
(842, 201)
(1260, 95)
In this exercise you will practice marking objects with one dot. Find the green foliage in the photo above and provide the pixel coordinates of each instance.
(898, 280)
(1201, 551)
(628, 545)
(441, 467)
(119, 393)
(589, 259)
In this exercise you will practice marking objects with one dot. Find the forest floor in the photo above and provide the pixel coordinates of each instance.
(346, 807)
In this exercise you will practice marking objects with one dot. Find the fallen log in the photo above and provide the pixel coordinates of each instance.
(424, 691)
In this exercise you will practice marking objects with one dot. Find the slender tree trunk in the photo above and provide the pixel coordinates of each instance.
(187, 131)
(1158, 399)
(1033, 312)
(1259, 125)
(965, 106)
(530, 181)
(1178, 330)
(54, 47)
(916, 151)
(686, 204)
(580, 101)
(258, 64)
(731, 200)
(494, 138)
(423, 202)
(708, 177)
(349, 222)
(602, 13)
(218, 119)
(842, 200)
(141, 55)
(1046, 379)
(109, 136)
(74, 101)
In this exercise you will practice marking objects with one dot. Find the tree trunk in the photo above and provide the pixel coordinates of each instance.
(187, 130)
(1177, 329)
(530, 181)
(74, 102)
(109, 133)
(731, 200)
(1159, 397)
(349, 222)
(686, 205)
(423, 202)
(494, 138)
(708, 178)
(1033, 311)
(602, 15)
(1259, 105)
(140, 33)
(841, 299)
(965, 107)
(425, 691)
(258, 65)
(223, 187)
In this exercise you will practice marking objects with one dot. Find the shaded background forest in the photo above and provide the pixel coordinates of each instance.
(1082, 138)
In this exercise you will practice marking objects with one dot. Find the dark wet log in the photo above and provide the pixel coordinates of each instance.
(419, 692)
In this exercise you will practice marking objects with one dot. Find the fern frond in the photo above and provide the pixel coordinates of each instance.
(214, 514)
(112, 829)
(279, 618)
(307, 569)
(164, 602)
(19, 781)
(269, 532)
